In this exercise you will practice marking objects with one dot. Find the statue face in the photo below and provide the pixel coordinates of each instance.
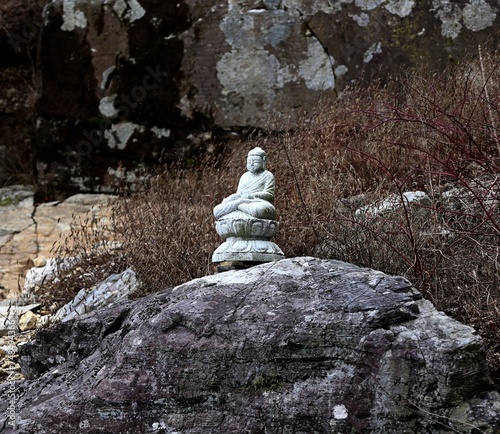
(255, 164)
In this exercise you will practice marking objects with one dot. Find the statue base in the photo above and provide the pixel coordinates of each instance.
(237, 249)
(247, 239)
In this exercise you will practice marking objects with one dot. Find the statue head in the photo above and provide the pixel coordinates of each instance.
(256, 160)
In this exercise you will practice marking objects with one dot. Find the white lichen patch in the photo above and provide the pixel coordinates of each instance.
(120, 7)
(107, 106)
(135, 12)
(362, 20)
(161, 132)
(124, 175)
(72, 17)
(185, 107)
(340, 412)
(129, 10)
(82, 183)
(316, 69)
(340, 71)
(375, 48)
(164, 427)
(478, 15)
(119, 134)
(368, 5)
(401, 8)
(450, 17)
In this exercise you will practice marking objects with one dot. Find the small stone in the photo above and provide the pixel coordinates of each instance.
(40, 261)
(28, 321)
(44, 321)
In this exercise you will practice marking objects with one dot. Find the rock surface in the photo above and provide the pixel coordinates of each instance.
(116, 288)
(18, 320)
(297, 346)
(20, 21)
(29, 231)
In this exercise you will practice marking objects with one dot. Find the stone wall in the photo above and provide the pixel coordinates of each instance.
(133, 81)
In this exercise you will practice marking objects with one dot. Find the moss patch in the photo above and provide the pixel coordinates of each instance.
(6, 201)
(266, 383)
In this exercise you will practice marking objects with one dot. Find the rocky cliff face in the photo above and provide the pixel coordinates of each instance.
(20, 21)
(301, 345)
(134, 80)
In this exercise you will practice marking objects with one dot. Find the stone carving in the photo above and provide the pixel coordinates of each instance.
(245, 219)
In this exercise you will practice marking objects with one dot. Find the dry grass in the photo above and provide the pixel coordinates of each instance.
(436, 133)
(167, 230)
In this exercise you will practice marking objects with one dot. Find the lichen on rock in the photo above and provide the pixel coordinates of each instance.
(72, 16)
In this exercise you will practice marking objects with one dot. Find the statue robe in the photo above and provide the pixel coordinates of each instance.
(261, 189)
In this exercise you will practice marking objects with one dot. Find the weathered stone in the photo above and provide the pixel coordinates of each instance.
(297, 346)
(10, 312)
(28, 231)
(408, 199)
(37, 276)
(114, 289)
(28, 321)
(40, 261)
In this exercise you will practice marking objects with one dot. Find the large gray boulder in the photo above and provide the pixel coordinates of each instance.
(138, 79)
(298, 346)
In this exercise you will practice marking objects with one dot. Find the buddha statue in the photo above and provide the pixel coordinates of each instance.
(255, 192)
(245, 219)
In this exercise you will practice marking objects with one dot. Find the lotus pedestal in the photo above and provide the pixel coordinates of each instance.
(246, 240)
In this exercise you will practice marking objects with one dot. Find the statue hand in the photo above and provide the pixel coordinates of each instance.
(232, 197)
